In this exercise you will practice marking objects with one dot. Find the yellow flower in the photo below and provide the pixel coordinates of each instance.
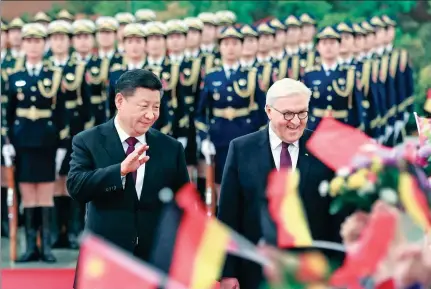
(362, 172)
(376, 165)
(335, 186)
(356, 181)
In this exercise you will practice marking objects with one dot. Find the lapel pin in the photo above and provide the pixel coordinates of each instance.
(306, 154)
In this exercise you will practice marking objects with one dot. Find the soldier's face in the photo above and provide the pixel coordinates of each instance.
(34, 48)
(83, 43)
(176, 42)
(370, 41)
(266, 42)
(359, 44)
(14, 37)
(390, 34)
(60, 43)
(193, 38)
(293, 35)
(347, 43)
(106, 39)
(288, 130)
(3, 40)
(209, 33)
(307, 33)
(249, 46)
(380, 36)
(138, 112)
(134, 47)
(120, 33)
(280, 39)
(328, 48)
(230, 49)
(156, 45)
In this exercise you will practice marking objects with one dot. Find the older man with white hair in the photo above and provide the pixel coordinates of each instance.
(250, 160)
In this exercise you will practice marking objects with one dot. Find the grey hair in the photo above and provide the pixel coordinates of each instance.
(286, 87)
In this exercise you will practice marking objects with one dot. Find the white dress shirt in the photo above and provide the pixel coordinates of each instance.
(275, 143)
(227, 69)
(3, 54)
(329, 69)
(85, 59)
(131, 66)
(207, 48)
(60, 63)
(191, 53)
(155, 62)
(109, 54)
(37, 68)
(141, 170)
(176, 58)
(247, 63)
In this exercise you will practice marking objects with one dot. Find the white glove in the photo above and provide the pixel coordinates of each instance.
(183, 141)
(381, 139)
(406, 117)
(208, 150)
(399, 125)
(8, 152)
(388, 131)
(59, 157)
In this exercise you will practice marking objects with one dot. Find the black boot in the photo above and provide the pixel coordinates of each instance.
(4, 214)
(46, 254)
(32, 252)
(62, 215)
(74, 224)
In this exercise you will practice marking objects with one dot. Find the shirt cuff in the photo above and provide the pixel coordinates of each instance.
(123, 181)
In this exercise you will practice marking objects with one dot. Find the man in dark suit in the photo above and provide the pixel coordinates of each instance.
(118, 168)
(250, 160)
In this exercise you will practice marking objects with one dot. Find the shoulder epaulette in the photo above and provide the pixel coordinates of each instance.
(54, 68)
(312, 68)
(116, 67)
(215, 69)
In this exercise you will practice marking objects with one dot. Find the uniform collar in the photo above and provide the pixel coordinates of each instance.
(209, 48)
(279, 55)
(139, 65)
(37, 68)
(194, 53)
(155, 62)
(3, 54)
(347, 60)
(124, 136)
(249, 63)
(59, 63)
(331, 68)
(389, 47)
(380, 50)
(292, 51)
(264, 60)
(176, 58)
(80, 58)
(233, 67)
(109, 54)
(275, 140)
(16, 53)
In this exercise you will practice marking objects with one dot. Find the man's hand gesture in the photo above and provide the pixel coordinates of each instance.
(134, 160)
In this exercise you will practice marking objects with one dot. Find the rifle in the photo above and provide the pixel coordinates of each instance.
(12, 202)
(210, 191)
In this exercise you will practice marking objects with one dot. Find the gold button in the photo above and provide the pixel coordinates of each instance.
(192, 108)
(312, 118)
(329, 107)
(52, 106)
(16, 122)
(329, 88)
(33, 88)
(33, 98)
(229, 88)
(100, 107)
(229, 98)
(171, 112)
(49, 122)
(248, 120)
(213, 121)
(75, 113)
(329, 98)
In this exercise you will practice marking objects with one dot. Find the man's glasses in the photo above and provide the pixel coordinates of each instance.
(288, 115)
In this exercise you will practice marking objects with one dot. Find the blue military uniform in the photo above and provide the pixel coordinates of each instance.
(334, 91)
(308, 53)
(14, 59)
(231, 105)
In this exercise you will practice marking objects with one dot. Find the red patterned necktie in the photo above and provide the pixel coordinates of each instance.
(285, 159)
(132, 141)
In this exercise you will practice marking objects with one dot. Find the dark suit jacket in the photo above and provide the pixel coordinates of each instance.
(243, 193)
(94, 178)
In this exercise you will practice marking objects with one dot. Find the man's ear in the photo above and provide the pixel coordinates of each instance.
(268, 111)
(119, 99)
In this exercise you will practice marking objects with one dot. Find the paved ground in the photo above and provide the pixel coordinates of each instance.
(65, 258)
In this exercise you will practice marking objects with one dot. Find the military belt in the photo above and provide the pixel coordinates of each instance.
(33, 113)
(71, 104)
(97, 99)
(231, 113)
(318, 112)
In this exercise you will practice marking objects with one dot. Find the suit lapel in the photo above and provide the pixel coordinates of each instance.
(112, 143)
(303, 165)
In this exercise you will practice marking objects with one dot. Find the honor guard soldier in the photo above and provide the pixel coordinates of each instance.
(194, 37)
(335, 91)
(76, 94)
(36, 112)
(263, 56)
(367, 70)
(159, 64)
(98, 67)
(346, 45)
(144, 16)
(250, 46)
(231, 102)
(133, 58)
(293, 34)
(123, 18)
(209, 47)
(65, 15)
(14, 60)
(306, 44)
(4, 99)
(83, 40)
(44, 19)
(278, 52)
(224, 18)
(401, 70)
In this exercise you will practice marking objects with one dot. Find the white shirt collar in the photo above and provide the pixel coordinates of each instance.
(59, 63)
(192, 53)
(263, 59)
(380, 50)
(17, 53)
(292, 51)
(389, 47)
(249, 63)
(275, 141)
(139, 65)
(345, 60)
(233, 67)
(176, 58)
(3, 54)
(80, 58)
(327, 68)
(38, 67)
(278, 55)
(157, 62)
(109, 54)
(208, 47)
(124, 136)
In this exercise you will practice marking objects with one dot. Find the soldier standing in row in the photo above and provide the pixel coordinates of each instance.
(14, 59)
(36, 112)
(209, 47)
(334, 88)
(231, 102)
(309, 55)
(250, 46)
(83, 40)
(123, 18)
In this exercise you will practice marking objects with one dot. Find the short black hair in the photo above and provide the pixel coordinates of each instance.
(137, 78)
